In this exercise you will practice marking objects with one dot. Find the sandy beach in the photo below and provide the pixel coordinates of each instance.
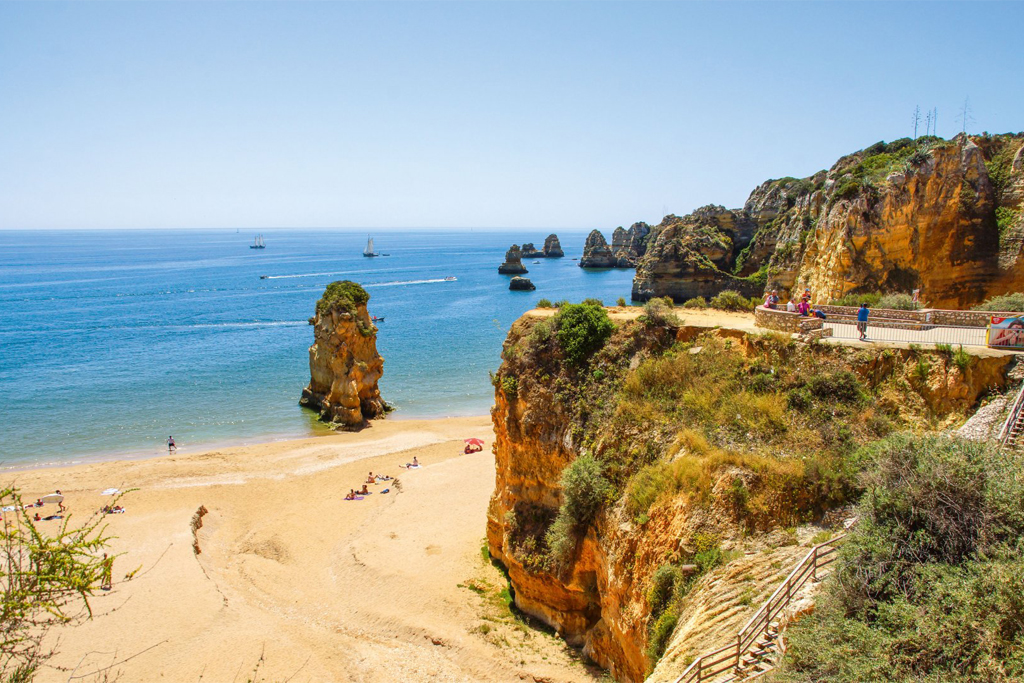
(294, 583)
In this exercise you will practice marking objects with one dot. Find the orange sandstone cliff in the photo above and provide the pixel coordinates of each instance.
(943, 216)
(708, 453)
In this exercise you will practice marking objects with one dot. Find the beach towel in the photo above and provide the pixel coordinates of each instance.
(356, 498)
(110, 492)
(385, 490)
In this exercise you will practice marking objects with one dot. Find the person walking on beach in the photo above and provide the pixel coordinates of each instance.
(862, 321)
(171, 446)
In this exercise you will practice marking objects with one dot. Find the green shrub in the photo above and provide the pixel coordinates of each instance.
(657, 312)
(696, 302)
(510, 386)
(584, 491)
(869, 298)
(944, 349)
(661, 632)
(929, 584)
(621, 301)
(898, 302)
(847, 188)
(344, 294)
(922, 369)
(842, 386)
(593, 302)
(763, 383)
(1013, 303)
(1005, 218)
(544, 303)
(798, 398)
(731, 300)
(581, 330)
(541, 332)
(663, 585)
(961, 359)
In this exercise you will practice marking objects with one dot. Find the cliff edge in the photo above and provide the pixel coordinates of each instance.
(344, 365)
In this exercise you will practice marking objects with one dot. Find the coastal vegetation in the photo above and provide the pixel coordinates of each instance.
(898, 301)
(929, 582)
(47, 579)
(1013, 302)
(346, 296)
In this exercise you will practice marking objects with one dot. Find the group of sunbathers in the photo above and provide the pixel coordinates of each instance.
(370, 479)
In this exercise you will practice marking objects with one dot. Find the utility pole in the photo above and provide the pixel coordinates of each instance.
(965, 115)
(916, 119)
(928, 123)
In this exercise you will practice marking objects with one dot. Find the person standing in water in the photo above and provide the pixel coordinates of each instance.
(171, 446)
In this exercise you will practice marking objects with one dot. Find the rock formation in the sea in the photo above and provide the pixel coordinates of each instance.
(513, 264)
(946, 217)
(344, 365)
(530, 251)
(596, 252)
(521, 284)
(552, 247)
(664, 496)
(626, 247)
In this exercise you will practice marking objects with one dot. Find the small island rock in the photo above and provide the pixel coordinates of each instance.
(552, 247)
(521, 284)
(513, 264)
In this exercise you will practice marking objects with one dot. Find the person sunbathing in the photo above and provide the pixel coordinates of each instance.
(383, 477)
(351, 495)
(364, 492)
(370, 479)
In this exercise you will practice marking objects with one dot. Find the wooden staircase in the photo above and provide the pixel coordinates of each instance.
(1013, 428)
(759, 645)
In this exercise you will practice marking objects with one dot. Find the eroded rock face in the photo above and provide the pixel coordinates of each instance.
(552, 247)
(521, 284)
(946, 217)
(596, 252)
(598, 600)
(513, 264)
(344, 365)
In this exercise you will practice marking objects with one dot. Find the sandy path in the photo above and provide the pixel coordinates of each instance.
(392, 587)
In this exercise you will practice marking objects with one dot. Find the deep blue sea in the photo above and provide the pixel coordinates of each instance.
(112, 340)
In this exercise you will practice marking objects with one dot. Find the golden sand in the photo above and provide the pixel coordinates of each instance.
(391, 587)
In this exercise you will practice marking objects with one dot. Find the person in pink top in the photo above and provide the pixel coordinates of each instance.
(804, 307)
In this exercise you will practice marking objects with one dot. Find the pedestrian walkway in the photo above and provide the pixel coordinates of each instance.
(928, 334)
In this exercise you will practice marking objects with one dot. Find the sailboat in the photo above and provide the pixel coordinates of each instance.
(258, 243)
(369, 247)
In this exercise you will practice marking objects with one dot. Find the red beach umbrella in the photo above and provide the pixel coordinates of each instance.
(475, 442)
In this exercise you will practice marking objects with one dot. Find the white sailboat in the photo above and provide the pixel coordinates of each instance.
(369, 247)
(258, 243)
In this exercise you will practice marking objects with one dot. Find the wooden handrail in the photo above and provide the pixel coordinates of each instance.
(723, 659)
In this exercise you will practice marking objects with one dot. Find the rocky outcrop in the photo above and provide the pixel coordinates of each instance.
(946, 217)
(596, 252)
(529, 251)
(513, 264)
(344, 365)
(552, 247)
(521, 284)
(548, 413)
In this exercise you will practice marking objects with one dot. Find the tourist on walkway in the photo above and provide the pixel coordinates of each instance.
(791, 306)
(862, 321)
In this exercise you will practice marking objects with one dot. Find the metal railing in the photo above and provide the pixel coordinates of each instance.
(922, 334)
(718, 662)
(1011, 418)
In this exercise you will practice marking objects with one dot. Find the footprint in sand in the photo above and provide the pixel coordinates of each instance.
(433, 550)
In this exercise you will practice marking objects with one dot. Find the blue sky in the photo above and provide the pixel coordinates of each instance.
(572, 115)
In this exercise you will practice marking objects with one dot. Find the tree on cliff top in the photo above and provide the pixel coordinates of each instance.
(582, 330)
(344, 294)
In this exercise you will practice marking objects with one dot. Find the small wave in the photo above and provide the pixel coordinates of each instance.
(407, 282)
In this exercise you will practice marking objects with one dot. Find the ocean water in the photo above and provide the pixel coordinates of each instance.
(112, 340)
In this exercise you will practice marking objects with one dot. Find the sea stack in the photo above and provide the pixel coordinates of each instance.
(596, 253)
(344, 365)
(513, 264)
(530, 251)
(552, 247)
(521, 284)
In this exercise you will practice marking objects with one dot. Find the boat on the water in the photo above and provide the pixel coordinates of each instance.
(369, 252)
(377, 320)
(258, 243)
(450, 278)
(264, 277)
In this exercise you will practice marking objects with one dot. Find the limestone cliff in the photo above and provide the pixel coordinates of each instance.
(344, 365)
(513, 264)
(552, 247)
(596, 252)
(943, 216)
(626, 247)
(710, 442)
(530, 251)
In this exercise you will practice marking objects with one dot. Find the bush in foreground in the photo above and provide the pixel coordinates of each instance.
(582, 330)
(731, 300)
(584, 491)
(930, 584)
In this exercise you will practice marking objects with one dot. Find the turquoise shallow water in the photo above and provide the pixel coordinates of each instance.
(112, 340)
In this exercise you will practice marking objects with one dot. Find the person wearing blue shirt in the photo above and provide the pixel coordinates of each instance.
(862, 321)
